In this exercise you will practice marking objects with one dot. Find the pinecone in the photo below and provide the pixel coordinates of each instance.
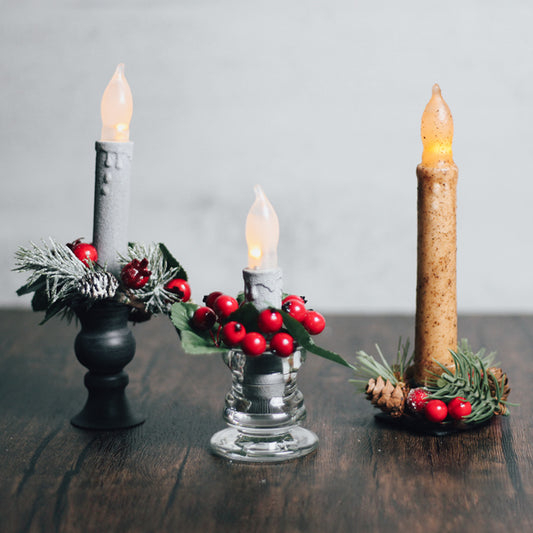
(503, 384)
(389, 398)
(98, 285)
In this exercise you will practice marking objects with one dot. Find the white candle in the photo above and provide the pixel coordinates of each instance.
(263, 278)
(112, 174)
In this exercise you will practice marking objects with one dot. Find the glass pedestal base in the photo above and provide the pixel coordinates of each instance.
(263, 446)
(264, 410)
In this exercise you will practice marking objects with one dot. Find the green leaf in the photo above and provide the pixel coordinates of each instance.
(302, 337)
(193, 342)
(248, 315)
(172, 262)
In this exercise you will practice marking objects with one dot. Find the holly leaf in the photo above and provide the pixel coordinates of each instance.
(172, 262)
(302, 337)
(193, 342)
(247, 315)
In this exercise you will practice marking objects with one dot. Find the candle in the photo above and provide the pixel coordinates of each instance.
(262, 278)
(436, 294)
(112, 174)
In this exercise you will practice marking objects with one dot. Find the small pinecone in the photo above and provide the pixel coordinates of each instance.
(503, 383)
(389, 398)
(98, 285)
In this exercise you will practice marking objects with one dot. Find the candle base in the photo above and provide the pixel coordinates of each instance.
(456, 400)
(263, 410)
(105, 345)
(263, 446)
(422, 427)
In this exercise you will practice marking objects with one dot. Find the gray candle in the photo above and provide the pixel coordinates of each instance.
(263, 280)
(112, 175)
(111, 201)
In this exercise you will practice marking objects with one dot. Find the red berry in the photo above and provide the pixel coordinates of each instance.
(436, 411)
(135, 275)
(282, 344)
(85, 252)
(295, 308)
(301, 299)
(180, 287)
(314, 322)
(417, 399)
(253, 344)
(233, 333)
(209, 299)
(225, 305)
(459, 407)
(270, 321)
(203, 319)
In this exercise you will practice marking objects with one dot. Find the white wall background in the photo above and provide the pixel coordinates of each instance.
(318, 101)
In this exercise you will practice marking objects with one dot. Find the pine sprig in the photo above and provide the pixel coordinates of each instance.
(470, 380)
(367, 367)
(164, 267)
(55, 274)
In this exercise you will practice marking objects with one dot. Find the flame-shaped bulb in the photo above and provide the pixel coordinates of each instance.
(117, 108)
(437, 132)
(262, 233)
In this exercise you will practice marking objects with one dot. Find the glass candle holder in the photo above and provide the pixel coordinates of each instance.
(263, 410)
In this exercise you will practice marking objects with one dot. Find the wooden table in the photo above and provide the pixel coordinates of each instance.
(161, 477)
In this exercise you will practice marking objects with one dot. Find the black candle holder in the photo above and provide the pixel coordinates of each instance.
(105, 345)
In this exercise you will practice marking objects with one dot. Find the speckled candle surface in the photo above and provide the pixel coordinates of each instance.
(111, 201)
(436, 292)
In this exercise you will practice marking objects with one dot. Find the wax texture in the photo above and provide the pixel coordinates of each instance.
(436, 290)
(263, 287)
(111, 201)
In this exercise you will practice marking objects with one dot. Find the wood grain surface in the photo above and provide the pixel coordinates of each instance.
(161, 477)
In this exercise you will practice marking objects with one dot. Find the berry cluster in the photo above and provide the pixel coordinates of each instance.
(418, 403)
(266, 331)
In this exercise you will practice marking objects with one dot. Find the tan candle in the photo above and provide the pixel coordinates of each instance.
(436, 292)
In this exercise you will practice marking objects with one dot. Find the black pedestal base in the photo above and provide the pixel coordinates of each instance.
(107, 406)
(105, 345)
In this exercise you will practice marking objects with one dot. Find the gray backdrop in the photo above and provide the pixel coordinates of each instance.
(318, 101)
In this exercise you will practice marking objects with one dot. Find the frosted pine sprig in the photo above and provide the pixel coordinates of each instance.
(153, 295)
(53, 268)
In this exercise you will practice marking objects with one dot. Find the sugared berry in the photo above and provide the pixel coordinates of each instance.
(295, 308)
(314, 322)
(225, 305)
(135, 275)
(179, 287)
(233, 333)
(270, 321)
(84, 252)
(459, 407)
(203, 319)
(253, 344)
(417, 399)
(209, 299)
(436, 411)
(282, 344)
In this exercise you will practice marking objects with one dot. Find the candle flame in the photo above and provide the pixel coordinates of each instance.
(262, 233)
(117, 108)
(437, 131)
